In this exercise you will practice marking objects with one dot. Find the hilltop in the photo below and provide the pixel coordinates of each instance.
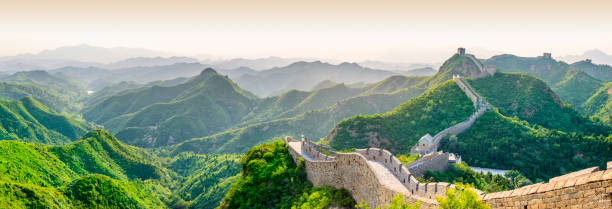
(572, 85)
(176, 113)
(56, 84)
(30, 121)
(16, 91)
(601, 72)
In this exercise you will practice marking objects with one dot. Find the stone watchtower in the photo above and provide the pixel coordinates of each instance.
(461, 51)
(547, 55)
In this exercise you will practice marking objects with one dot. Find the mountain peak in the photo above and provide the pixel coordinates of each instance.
(208, 71)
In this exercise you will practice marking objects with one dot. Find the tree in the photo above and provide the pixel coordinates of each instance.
(397, 202)
(461, 197)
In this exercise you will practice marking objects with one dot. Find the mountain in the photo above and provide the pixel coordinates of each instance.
(426, 71)
(257, 64)
(599, 105)
(393, 66)
(75, 56)
(323, 84)
(399, 129)
(528, 124)
(315, 123)
(304, 75)
(70, 176)
(532, 100)
(30, 121)
(58, 85)
(149, 62)
(596, 55)
(159, 116)
(99, 171)
(88, 53)
(124, 86)
(275, 116)
(572, 85)
(601, 72)
(16, 91)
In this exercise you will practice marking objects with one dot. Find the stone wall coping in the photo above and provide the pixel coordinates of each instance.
(553, 185)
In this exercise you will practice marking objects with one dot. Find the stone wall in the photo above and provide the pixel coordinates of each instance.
(359, 174)
(587, 188)
(436, 161)
(480, 106)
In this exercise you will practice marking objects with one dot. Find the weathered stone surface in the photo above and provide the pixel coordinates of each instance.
(376, 176)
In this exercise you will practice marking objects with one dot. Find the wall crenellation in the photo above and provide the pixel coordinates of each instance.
(360, 173)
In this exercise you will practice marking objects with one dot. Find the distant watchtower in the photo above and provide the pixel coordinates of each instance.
(461, 51)
(589, 60)
(547, 55)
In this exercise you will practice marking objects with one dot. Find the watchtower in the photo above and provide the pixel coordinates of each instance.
(547, 55)
(589, 60)
(461, 51)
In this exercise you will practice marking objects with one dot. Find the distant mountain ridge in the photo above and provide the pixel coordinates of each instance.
(596, 55)
(304, 75)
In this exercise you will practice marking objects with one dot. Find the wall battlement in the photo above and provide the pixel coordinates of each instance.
(376, 176)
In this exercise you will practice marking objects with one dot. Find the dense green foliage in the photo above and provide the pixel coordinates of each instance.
(176, 113)
(461, 173)
(98, 191)
(204, 179)
(530, 99)
(271, 179)
(37, 176)
(599, 105)
(30, 121)
(397, 202)
(573, 86)
(461, 197)
(537, 152)
(57, 84)
(399, 129)
(101, 153)
(601, 72)
(16, 91)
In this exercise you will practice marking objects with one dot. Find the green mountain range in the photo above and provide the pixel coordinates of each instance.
(528, 127)
(30, 121)
(160, 116)
(16, 91)
(56, 84)
(99, 171)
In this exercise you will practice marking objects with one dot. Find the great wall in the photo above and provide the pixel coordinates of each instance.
(375, 176)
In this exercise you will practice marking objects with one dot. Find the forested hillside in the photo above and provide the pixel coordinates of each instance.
(271, 179)
(16, 91)
(30, 121)
(99, 171)
(56, 84)
(544, 139)
(572, 85)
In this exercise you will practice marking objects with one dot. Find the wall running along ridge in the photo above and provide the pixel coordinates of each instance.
(376, 176)
(480, 106)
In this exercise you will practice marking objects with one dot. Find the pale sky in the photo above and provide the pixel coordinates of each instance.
(400, 31)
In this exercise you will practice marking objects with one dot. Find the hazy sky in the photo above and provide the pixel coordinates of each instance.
(403, 31)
